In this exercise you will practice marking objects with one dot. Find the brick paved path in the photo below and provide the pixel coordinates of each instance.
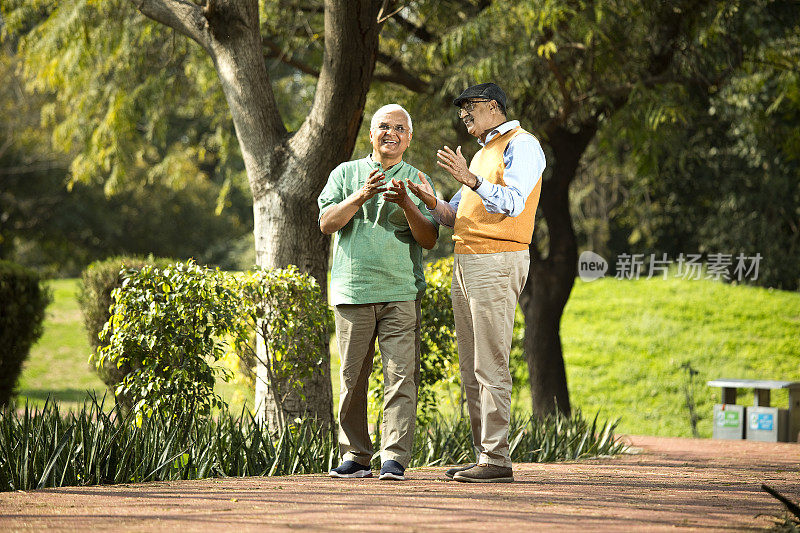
(667, 484)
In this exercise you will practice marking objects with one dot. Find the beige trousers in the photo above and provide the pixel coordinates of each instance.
(485, 291)
(396, 325)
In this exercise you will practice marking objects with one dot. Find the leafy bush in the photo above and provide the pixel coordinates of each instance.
(97, 283)
(170, 325)
(23, 301)
(285, 311)
(439, 349)
(166, 326)
(89, 447)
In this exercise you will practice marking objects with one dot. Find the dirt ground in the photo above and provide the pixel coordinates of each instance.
(665, 484)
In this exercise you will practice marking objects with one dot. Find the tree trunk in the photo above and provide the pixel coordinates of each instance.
(551, 279)
(286, 172)
(286, 213)
(287, 232)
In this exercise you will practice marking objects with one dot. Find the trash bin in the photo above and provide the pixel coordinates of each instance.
(767, 424)
(729, 421)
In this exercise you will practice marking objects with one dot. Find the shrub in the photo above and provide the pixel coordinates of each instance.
(166, 325)
(285, 311)
(171, 325)
(97, 283)
(439, 349)
(23, 301)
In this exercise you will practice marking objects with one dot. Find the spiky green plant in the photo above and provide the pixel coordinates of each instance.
(42, 448)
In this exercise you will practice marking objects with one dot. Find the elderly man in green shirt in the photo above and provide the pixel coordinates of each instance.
(376, 284)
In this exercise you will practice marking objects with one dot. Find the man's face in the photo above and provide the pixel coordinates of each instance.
(391, 135)
(478, 115)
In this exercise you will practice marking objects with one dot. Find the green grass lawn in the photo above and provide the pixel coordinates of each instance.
(624, 343)
(58, 363)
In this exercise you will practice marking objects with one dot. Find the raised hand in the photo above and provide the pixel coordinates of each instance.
(373, 185)
(456, 165)
(423, 191)
(397, 194)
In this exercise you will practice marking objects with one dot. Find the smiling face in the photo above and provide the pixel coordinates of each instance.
(390, 136)
(480, 116)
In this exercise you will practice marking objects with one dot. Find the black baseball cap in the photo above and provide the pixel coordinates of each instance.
(490, 91)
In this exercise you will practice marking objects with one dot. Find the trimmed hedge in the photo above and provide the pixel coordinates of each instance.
(155, 330)
(97, 283)
(23, 300)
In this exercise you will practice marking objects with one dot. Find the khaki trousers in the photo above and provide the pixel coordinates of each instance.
(396, 325)
(485, 291)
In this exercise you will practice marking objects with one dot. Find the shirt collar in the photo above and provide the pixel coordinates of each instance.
(392, 170)
(505, 127)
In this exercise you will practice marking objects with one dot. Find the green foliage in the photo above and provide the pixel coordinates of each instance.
(91, 447)
(43, 449)
(734, 185)
(23, 300)
(439, 371)
(97, 284)
(57, 225)
(532, 440)
(166, 324)
(284, 310)
(438, 348)
(122, 123)
(126, 132)
(168, 327)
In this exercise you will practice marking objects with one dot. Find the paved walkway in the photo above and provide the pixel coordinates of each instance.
(667, 484)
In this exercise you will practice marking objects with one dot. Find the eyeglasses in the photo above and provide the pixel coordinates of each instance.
(470, 106)
(386, 127)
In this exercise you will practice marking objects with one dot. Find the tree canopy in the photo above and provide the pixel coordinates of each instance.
(668, 126)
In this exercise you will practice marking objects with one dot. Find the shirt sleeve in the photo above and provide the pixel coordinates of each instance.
(445, 212)
(524, 161)
(333, 193)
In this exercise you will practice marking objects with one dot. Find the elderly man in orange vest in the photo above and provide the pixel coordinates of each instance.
(492, 216)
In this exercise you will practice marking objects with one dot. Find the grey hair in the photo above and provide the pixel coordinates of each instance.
(388, 108)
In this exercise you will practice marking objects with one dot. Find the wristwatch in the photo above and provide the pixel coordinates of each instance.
(478, 182)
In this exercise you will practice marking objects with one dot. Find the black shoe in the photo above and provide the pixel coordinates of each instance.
(452, 472)
(485, 473)
(392, 470)
(351, 469)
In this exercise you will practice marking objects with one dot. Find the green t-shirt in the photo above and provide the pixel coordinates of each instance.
(375, 256)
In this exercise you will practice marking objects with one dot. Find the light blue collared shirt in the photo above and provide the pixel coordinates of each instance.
(524, 163)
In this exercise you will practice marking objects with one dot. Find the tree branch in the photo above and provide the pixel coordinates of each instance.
(183, 16)
(420, 32)
(400, 75)
(34, 168)
(274, 51)
(566, 110)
